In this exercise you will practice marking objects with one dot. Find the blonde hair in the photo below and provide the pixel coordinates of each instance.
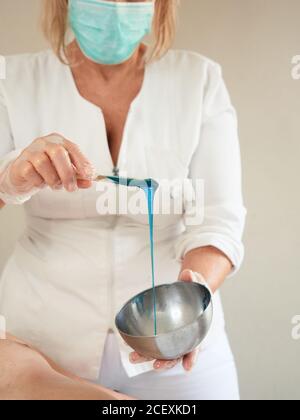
(55, 26)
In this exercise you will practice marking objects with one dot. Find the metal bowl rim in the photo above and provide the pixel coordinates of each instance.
(171, 332)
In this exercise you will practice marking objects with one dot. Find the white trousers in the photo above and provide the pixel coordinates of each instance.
(213, 378)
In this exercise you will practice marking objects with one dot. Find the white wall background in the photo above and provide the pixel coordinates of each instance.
(255, 41)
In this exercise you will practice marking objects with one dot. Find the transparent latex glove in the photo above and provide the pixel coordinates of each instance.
(49, 161)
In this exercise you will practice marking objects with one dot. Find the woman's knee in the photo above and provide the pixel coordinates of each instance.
(20, 368)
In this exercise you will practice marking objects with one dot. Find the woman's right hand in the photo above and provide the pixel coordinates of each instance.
(49, 161)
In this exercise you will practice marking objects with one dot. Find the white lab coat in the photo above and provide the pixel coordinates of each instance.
(73, 269)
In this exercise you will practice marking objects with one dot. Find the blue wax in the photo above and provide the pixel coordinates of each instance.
(149, 186)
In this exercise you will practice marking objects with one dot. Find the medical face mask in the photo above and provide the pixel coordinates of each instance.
(109, 32)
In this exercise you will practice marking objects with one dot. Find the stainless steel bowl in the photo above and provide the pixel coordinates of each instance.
(184, 316)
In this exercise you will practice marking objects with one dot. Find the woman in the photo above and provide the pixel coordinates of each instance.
(119, 106)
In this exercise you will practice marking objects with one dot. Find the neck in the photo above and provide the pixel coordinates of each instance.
(107, 72)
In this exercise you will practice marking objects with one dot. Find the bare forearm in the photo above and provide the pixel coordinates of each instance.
(53, 386)
(2, 204)
(25, 374)
(211, 263)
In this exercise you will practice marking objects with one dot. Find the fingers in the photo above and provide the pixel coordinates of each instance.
(192, 276)
(84, 184)
(44, 167)
(25, 177)
(166, 364)
(186, 275)
(52, 161)
(83, 166)
(61, 161)
(67, 160)
(190, 360)
(137, 358)
(159, 365)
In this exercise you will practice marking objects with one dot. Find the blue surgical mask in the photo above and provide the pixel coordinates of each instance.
(109, 32)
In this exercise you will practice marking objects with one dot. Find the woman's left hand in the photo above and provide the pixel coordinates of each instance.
(187, 361)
